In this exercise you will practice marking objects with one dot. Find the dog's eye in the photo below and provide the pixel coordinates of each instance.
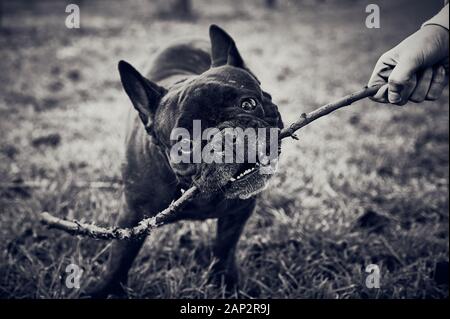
(248, 104)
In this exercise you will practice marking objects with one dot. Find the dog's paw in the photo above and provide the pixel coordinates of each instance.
(227, 278)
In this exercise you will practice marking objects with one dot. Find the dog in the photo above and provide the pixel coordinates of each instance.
(189, 80)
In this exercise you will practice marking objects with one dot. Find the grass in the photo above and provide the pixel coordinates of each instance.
(368, 184)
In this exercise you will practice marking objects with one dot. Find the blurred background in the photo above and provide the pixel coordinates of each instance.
(365, 185)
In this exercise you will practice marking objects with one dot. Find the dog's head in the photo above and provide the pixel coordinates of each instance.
(218, 129)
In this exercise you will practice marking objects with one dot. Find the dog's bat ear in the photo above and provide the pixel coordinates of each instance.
(144, 94)
(223, 49)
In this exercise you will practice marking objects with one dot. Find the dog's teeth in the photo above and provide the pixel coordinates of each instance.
(232, 179)
(182, 191)
(246, 172)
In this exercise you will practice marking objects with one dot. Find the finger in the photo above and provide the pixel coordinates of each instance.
(380, 75)
(438, 83)
(402, 81)
(399, 93)
(381, 95)
(422, 86)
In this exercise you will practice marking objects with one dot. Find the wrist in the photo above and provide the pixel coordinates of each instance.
(436, 30)
(436, 39)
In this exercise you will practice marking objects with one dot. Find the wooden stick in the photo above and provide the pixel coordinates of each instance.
(144, 227)
(147, 225)
(307, 118)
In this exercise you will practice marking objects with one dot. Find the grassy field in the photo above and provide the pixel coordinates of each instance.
(365, 185)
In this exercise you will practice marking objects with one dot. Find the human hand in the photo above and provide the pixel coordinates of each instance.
(416, 69)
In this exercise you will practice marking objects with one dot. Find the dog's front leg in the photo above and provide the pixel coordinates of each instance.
(229, 229)
(121, 257)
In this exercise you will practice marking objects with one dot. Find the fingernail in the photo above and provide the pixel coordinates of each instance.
(394, 97)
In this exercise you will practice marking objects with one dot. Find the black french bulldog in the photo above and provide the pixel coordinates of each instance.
(188, 81)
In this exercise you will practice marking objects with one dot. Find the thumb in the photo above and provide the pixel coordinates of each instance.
(403, 80)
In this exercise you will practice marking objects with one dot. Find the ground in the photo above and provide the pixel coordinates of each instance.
(365, 185)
